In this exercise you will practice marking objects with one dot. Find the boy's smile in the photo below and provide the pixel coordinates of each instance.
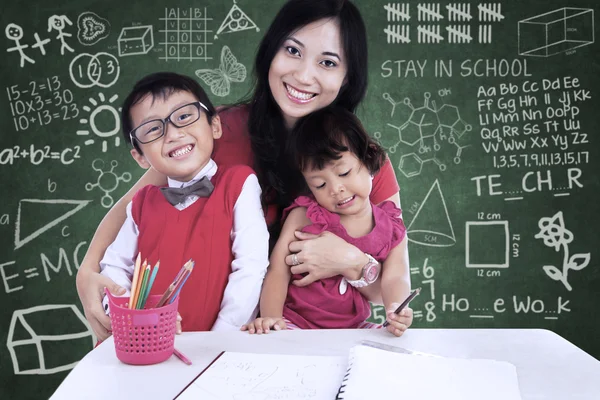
(182, 152)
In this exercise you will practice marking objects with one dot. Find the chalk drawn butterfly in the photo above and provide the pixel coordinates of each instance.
(220, 79)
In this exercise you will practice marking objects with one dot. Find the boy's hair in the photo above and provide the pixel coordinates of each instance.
(320, 137)
(162, 85)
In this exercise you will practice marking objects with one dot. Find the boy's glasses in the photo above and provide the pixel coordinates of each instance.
(155, 129)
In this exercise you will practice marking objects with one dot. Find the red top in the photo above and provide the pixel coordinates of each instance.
(234, 148)
(320, 304)
(202, 232)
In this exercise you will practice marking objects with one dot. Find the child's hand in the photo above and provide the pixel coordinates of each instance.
(178, 324)
(260, 325)
(398, 323)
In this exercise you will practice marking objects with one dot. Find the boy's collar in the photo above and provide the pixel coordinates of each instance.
(209, 171)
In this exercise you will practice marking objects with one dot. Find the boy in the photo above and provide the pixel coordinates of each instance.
(208, 213)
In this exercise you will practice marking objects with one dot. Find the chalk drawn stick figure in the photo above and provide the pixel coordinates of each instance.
(59, 23)
(15, 32)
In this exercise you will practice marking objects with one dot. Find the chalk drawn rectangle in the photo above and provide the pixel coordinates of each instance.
(496, 231)
(556, 32)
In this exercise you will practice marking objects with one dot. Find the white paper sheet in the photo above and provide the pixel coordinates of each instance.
(379, 374)
(237, 376)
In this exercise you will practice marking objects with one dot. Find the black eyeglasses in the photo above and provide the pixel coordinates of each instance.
(155, 129)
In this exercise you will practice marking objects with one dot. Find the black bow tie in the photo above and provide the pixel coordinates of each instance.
(201, 188)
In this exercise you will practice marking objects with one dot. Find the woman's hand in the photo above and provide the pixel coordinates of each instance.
(90, 287)
(399, 323)
(323, 256)
(260, 325)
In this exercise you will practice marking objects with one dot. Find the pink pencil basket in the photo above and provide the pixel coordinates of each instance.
(143, 336)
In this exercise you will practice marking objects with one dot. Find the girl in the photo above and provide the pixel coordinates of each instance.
(337, 159)
(313, 54)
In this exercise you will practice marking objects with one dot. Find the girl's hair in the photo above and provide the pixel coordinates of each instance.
(266, 126)
(160, 85)
(320, 137)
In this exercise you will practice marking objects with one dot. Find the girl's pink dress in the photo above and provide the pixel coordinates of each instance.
(320, 304)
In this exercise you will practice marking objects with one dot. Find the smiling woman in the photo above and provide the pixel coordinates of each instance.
(314, 54)
(308, 71)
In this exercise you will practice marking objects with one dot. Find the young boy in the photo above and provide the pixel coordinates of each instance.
(208, 213)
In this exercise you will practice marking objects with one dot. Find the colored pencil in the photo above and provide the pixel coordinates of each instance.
(143, 286)
(182, 283)
(136, 295)
(136, 272)
(172, 287)
(150, 283)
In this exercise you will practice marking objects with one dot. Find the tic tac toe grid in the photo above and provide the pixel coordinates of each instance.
(186, 34)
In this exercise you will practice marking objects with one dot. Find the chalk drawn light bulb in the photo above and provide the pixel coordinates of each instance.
(104, 121)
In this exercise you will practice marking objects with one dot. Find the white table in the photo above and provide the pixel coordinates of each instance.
(548, 366)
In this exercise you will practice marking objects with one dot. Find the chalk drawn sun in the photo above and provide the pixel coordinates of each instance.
(104, 121)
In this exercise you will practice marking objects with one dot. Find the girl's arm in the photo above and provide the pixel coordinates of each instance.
(395, 287)
(90, 284)
(275, 286)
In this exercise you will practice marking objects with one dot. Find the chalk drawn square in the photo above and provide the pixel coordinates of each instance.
(487, 244)
(46, 348)
(556, 32)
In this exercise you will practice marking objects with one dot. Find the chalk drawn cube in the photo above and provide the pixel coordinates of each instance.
(48, 339)
(135, 40)
(556, 32)
(487, 244)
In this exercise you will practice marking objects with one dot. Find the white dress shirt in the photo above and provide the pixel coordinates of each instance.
(250, 250)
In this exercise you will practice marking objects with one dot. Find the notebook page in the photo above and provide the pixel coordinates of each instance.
(248, 376)
(377, 373)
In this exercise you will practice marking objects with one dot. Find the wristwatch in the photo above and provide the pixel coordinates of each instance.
(370, 272)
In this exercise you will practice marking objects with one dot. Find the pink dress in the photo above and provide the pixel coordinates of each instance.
(321, 304)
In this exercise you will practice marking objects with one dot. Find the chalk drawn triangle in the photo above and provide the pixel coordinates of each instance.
(431, 225)
(31, 208)
(236, 21)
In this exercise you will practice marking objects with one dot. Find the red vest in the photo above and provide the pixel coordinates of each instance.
(201, 232)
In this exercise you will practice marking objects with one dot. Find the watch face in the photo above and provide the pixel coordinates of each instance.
(371, 272)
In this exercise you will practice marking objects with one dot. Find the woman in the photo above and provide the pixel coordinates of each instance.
(313, 54)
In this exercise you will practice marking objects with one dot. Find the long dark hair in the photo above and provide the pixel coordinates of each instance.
(266, 127)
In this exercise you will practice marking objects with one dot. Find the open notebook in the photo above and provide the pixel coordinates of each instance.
(248, 376)
(377, 374)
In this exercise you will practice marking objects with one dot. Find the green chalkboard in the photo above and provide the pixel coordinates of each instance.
(488, 111)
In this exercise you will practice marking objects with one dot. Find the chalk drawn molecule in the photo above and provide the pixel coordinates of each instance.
(427, 129)
(107, 181)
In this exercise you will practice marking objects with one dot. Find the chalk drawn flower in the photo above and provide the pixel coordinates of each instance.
(554, 234)
(553, 231)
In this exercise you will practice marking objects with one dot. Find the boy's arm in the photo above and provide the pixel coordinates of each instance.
(278, 277)
(250, 249)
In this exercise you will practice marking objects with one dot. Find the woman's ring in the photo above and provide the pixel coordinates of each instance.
(295, 259)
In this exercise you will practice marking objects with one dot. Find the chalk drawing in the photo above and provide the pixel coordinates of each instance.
(21, 241)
